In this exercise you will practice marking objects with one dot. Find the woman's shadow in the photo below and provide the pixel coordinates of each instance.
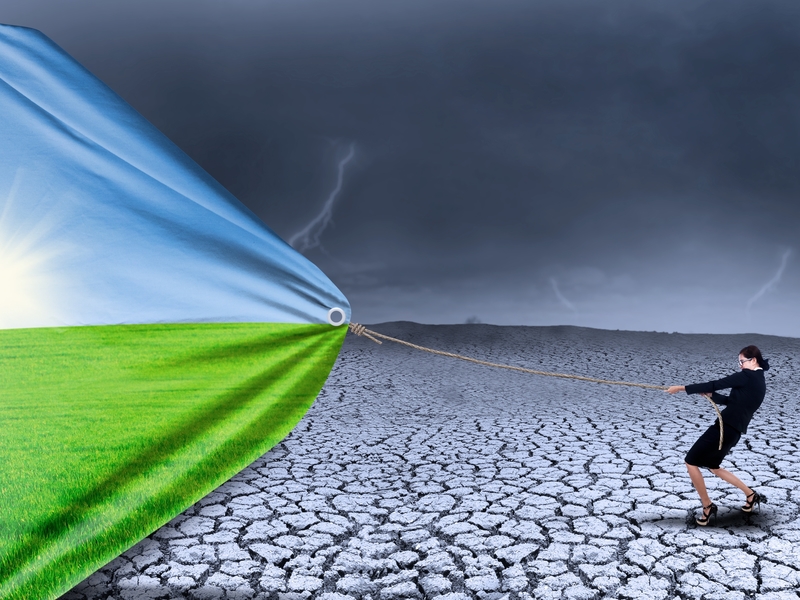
(733, 519)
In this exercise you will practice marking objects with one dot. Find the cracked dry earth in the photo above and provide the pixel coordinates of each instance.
(417, 476)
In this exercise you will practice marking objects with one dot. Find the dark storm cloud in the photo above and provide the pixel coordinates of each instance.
(615, 164)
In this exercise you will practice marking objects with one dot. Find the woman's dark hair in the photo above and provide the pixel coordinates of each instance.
(754, 352)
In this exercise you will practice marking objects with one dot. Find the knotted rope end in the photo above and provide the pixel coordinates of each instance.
(360, 330)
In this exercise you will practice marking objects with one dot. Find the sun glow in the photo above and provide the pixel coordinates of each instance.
(27, 269)
(23, 289)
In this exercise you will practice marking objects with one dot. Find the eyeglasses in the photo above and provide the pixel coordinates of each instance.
(741, 362)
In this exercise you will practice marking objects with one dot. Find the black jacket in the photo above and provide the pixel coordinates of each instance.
(747, 393)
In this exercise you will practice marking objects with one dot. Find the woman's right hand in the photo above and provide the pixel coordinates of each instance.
(674, 389)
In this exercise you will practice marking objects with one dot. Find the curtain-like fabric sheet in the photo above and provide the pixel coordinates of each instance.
(155, 336)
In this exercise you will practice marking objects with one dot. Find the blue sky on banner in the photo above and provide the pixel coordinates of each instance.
(103, 220)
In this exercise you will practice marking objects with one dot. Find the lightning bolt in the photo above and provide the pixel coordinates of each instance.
(561, 297)
(772, 283)
(308, 238)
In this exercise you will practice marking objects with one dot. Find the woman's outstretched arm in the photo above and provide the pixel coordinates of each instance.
(709, 389)
(674, 389)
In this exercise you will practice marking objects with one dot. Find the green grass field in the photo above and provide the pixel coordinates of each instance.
(108, 432)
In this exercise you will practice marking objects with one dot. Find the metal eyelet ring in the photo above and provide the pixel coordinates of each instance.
(336, 316)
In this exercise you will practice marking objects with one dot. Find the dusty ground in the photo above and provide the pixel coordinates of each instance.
(416, 476)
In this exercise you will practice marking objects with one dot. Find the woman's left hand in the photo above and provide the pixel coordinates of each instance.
(674, 389)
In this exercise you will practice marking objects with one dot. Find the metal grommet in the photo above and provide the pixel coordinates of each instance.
(336, 316)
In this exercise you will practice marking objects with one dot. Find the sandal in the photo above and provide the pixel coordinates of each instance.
(708, 512)
(753, 500)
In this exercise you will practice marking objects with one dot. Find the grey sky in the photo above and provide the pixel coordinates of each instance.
(613, 164)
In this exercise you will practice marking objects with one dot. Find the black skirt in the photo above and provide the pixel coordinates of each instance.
(706, 452)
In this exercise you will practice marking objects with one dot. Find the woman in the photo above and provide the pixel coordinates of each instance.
(747, 393)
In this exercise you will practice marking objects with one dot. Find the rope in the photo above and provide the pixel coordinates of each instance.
(360, 330)
(719, 418)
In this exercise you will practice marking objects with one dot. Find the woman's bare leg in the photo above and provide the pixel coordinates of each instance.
(699, 483)
(726, 475)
